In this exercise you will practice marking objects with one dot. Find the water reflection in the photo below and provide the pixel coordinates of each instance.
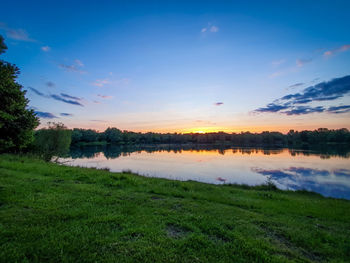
(324, 170)
(328, 183)
(111, 152)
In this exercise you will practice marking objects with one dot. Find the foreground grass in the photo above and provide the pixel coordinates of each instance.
(53, 213)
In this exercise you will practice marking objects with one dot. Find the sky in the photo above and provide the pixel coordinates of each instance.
(183, 66)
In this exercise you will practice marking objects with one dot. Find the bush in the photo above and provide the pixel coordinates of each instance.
(52, 141)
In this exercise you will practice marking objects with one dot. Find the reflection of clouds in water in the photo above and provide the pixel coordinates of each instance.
(327, 183)
(342, 172)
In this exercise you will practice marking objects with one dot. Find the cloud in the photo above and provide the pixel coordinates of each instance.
(38, 92)
(104, 96)
(296, 85)
(59, 98)
(301, 110)
(101, 82)
(218, 103)
(339, 109)
(75, 67)
(16, 34)
(272, 107)
(336, 50)
(97, 120)
(278, 62)
(45, 115)
(79, 63)
(342, 172)
(214, 29)
(210, 28)
(63, 97)
(106, 81)
(276, 74)
(63, 114)
(323, 91)
(50, 84)
(301, 62)
(314, 80)
(69, 96)
(45, 48)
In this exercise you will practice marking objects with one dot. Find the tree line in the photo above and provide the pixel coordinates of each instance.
(292, 138)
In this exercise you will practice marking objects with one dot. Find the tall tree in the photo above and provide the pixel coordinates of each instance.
(17, 122)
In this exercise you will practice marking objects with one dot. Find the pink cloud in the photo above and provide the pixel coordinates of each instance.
(336, 50)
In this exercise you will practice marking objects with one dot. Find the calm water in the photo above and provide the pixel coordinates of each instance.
(326, 172)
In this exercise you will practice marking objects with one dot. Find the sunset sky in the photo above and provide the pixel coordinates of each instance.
(184, 66)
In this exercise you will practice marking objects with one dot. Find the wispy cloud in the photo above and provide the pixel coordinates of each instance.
(16, 34)
(218, 103)
(339, 109)
(37, 92)
(336, 50)
(45, 115)
(210, 28)
(296, 85)
(214, 29)
(62, 97)
(101, 82)
(70, 97)
(314, 80)
(59, 98)
(276, 74)
(302, 61)
(50, 84)
(278, 62)
(63, 114)
(301, 110)
(79, 63)
(292, 104)
(75, 67)
(110, 82)
(104, 96)
(45, 48)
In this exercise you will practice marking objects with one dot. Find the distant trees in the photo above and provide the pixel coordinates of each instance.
(113, 135)
(52, 141)
(276, 139)
(17, 122)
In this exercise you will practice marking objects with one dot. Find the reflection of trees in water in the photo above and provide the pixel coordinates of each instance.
(324, 151)
(85, 152)
(115, 151)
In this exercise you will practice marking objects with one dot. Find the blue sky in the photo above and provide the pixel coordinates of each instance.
(182, 65)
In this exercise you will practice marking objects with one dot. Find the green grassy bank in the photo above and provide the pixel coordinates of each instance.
(53, 213)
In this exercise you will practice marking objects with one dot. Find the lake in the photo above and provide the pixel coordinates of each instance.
(325, 171)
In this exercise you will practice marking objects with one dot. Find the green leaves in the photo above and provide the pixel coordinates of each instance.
(17, 122)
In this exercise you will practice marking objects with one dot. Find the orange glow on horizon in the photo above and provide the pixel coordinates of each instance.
(183, 129)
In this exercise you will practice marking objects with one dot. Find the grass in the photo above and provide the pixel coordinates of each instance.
(54, 213)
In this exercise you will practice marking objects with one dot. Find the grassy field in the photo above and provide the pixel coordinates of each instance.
(53, 213)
